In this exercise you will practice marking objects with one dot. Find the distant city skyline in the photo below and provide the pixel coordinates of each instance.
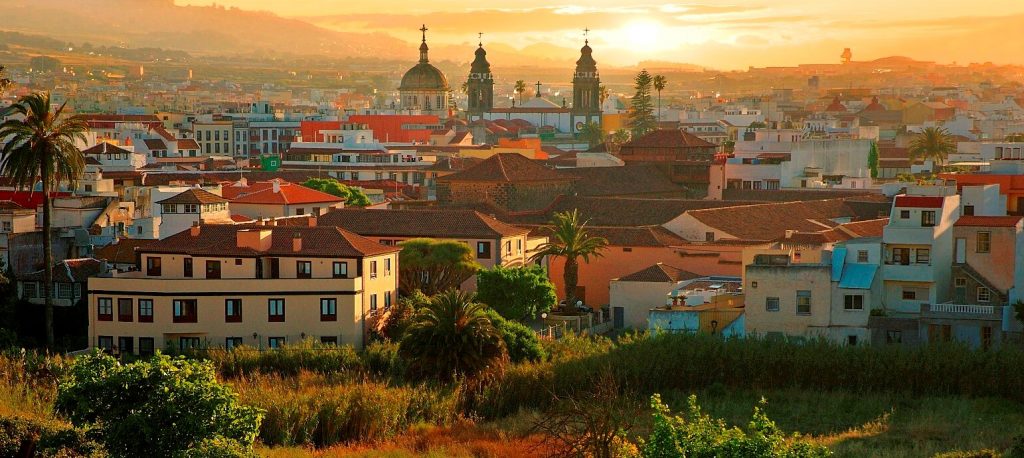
(712, 34)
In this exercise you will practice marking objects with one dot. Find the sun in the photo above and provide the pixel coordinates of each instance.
(642, 35)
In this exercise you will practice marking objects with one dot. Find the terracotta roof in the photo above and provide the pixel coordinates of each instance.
(105, 148)
(118, 118)
(988, 221)
(668, 138)
(628, 180)
(660, 273)
(317, 241)
(71, 271)
(262, 192)
(507, 168)
(433, 223)
(187, 143)
(452, 164)
(155, 144)
(919, 201)
(622, 211)
(241, 218)
(836, 105)
(122, 252)
(842, 232)
(770, 221)
(194, 196)
(648, 236)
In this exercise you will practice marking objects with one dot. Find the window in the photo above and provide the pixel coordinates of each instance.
(771, 304)
(483, 250)
(627, 249)
(373, 269)
(146, 346)
(904, 214)
(238, 261)
(105, 343)
(803, 302)
(853, 302)
(508, 248)
(275, 342)
(191, 208)
(124, 309)
(145, 311)
(126, 345)
(232, 310)
(984, 242)
(986, 337)
(753, 285)
(329, 340)
(188, 343)
(893, 337)
(901, 256)
(184, 310)
(923, 256)
(709, 236)
(909, 294)
(373, 302)
(519, 246)
(862, 256)
(387, 299)
(7, 226)
(212, 269)
(328, 309)
(968, 210)
(275, 310)
(387, 266)
(984, 294)
(960, 282)
(851, 340)
(339, 269)
(105, 309)
(153, 267)
(928, 218)
(169, 208)
(232, 342)
(303, 269)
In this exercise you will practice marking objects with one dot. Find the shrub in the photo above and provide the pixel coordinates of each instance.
(698, 435)
(522, 343)
(401, 315)
(382, 359)
(516, 293)
(22, 437)
(307, 355)
(219, 447)
(132, 405)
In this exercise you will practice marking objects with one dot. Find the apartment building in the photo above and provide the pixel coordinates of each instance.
(254, 285)
(215, 138)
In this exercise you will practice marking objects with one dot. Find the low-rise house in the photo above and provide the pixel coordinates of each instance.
(191, 207)
(70, 282)
(14, 219)
(231, 285)
(711, 305)
(633, 295)
(276, 198)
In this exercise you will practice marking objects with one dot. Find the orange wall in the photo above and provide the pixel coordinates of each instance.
(596, 275)
(1011, 186)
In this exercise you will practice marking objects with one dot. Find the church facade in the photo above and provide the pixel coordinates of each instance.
(424, 88)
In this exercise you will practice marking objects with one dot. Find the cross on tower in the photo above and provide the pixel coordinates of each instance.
(538, 89)
(586, 38)
(424, 30)
(480, 36)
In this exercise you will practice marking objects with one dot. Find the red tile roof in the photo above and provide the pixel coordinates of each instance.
(194, 196)
(669, 138)
(507, 168)
(317, 241)
(187, 143)
(105, 148)
(988, 221)
(660, 273)
(648, 236)
(122, 252)
(919, 201)
(262, 192)
(771, 221)
(433, 223)
(155, 144)
(71, 271)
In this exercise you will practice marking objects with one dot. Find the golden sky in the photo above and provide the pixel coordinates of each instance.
(726, 35)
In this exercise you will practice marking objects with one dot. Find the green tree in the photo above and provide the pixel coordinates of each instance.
(452, 337)
(756, 125)
(933, 143)
(156, 407)
(659, 85)
(520, 89)
(620, 136)
(433, 266)
(41, 145)
(516, 293)
(641, 114)
(354, 197)
(521, 342)
(873, 160)
(729, 146)
(592, 134)
(4, 81)
(569, 240)
(602, 93)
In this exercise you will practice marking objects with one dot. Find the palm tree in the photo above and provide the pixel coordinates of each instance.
(4, 82)
(602, 93)
(520, 89)
(933, 143)
(41, 146)
(453, 337)
(569, 240)
(592, 134)
(659, 84)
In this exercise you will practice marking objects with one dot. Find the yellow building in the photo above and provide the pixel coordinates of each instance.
(231, 285)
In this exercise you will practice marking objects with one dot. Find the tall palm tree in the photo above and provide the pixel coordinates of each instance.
(569, 240)
(41, 146)
(592, 134)
(934, 143)
(453, 337)
(520, 89)
(659, 84)
(603, 93)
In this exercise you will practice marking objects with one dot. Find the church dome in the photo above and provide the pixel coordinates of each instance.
(424, 76)
(586, 62)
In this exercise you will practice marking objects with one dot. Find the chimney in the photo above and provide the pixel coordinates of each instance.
(256, 239)
(297, 242)
(195, 229)
(311, 221)
(277, 185)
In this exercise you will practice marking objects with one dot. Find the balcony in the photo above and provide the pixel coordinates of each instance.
(921, 273)
(962, 311)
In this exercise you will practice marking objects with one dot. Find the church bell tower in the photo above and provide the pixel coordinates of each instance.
(480, 85)
(586, 89)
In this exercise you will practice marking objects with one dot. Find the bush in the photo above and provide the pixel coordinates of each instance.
(307, 355)
(219, 447)
(516, 293)
(22, 437)
(522, 343)
(381, 359)
(401, 315)
(133, 405)
(697, 435)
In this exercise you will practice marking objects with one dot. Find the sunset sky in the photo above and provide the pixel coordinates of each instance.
(715, 34)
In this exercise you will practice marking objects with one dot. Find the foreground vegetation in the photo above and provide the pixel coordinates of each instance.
(334, 401)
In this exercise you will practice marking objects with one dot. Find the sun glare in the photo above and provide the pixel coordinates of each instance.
(642, 36)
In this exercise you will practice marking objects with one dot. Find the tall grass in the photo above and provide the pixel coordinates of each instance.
(288, 360)
(314, 410)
